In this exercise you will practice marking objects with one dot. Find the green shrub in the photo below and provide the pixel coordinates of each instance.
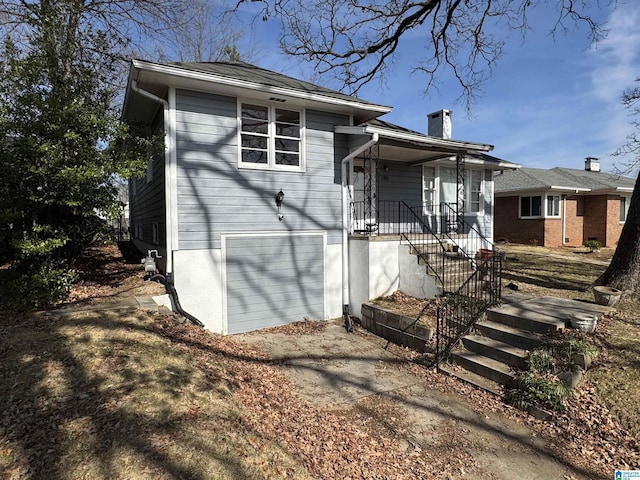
(28, 287)
(532, 389)
(541, 361)
(592, 245)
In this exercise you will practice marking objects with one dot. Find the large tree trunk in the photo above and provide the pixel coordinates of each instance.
(624, 271)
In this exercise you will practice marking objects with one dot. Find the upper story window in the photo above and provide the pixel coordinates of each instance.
(440, 185)
(531, 207)
(624, 208)
(271, 138)
(553, 205)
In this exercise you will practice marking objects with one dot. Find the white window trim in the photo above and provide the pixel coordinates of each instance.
(271, 165)
(627, 204)
(467, 193)
(546, 200)
(543, 206)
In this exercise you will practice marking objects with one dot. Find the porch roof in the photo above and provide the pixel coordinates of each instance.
(398, 144)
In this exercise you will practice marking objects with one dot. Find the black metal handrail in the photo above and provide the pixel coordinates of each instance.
(423, 241)
(463, 308)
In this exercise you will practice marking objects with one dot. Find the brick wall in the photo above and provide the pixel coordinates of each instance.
(595, 218)
(508, 226)
(574, 223)
(599, 219)
(552, 232)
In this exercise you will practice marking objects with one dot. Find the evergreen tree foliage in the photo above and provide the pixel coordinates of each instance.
(62, 146)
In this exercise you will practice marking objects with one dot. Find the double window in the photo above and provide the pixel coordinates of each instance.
(440, 185)
(532, 206)
(271, 138)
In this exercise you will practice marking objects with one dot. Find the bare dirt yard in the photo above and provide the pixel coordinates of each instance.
(112, 393)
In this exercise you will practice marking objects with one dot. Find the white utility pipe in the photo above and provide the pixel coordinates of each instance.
(345, 218)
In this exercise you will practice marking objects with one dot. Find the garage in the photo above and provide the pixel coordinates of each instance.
(273, 279)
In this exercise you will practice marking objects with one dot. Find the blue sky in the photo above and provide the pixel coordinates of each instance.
(549, 102)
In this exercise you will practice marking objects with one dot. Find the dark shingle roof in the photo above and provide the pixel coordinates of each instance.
(528, 179)
(251, 73)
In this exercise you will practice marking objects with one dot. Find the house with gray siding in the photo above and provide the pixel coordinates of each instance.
(277, 200)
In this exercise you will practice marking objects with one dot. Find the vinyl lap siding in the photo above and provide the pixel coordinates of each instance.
(215, 196)
(400, 182)
(281, 281)
(404, 183)
(148, 204)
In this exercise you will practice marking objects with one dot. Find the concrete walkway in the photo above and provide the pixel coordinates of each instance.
(336, 369)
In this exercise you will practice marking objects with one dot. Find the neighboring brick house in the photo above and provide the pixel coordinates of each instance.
(561, 206)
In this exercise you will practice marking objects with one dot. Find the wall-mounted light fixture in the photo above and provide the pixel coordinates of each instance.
(279, 200)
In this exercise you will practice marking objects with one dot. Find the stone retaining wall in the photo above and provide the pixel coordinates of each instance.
(394, 327)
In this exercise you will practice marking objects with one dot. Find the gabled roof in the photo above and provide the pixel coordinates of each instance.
(246, 81)
(560, 179)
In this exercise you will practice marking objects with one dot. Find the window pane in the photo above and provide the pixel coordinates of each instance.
(254, 156)
(287, 159)
(255, 126)
(448, 186)
(525, 206)
(287, 145)
(536, 206)
(287, 116)
(429, 189)
(284, 130)
(553, 206)
(254, 111)
(251, 141)
(624, 208)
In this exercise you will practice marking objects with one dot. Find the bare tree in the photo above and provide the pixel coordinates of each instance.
(210, 35)
(358, 40)
(624, 270)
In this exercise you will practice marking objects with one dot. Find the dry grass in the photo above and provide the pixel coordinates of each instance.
(409, 306)
(560, 272)
(617, 374)
(107, 395)
(570, 273)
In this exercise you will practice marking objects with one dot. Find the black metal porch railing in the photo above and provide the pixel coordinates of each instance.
(465, 262)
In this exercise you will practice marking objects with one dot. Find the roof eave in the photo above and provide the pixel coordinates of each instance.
(367, 110)
(455, 146)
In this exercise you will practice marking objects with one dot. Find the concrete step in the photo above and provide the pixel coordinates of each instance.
(472, 378)
(513, 336)
(485, 367)
(496, 349)
(525, 319)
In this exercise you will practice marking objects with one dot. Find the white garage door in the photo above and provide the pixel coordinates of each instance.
(273, 280)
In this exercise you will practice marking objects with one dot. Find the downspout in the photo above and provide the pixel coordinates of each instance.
(167, 279)
(167, 160)
(564, 219)
(345, 226)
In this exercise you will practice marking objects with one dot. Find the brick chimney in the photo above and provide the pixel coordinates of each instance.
(439, 124)
(592, 164)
